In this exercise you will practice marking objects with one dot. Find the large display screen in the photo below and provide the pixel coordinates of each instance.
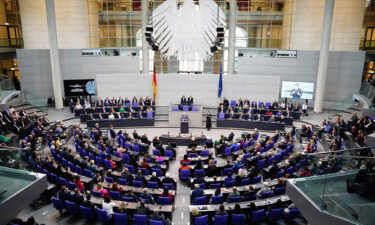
(297, 90)
(79, 87)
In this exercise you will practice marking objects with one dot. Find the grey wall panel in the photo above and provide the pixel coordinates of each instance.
(36, 75)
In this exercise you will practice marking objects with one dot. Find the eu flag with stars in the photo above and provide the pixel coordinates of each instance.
(220, 82)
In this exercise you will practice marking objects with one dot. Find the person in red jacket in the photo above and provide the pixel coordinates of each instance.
(166, 193)
(78, 182)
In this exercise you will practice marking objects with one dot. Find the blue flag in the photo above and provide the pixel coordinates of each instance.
(220, 90)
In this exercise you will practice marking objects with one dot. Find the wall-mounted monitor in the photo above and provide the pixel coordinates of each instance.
(79, 87)
(297, 90)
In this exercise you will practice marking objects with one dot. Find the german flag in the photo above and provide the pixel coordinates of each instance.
(154, 85)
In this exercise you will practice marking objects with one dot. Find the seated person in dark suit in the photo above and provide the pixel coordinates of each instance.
(88, 203)
(167, 179)
(250, 192)
(147, 196)
(77, 197)
(198, 180)
(156, 179)
(64, 194)
(140, 177)
(221, 211)
(142, 209)
(157, 217)
(198, 192)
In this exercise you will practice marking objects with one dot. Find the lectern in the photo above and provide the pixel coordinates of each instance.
(184, 127)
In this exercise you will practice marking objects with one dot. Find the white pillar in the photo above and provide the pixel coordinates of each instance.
(145, 47)
(323, 56)
(232, 36)
(54, 54)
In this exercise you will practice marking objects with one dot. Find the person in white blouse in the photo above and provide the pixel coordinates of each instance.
(111, 116)
(107, 205)
(304, 109)
(87, 105)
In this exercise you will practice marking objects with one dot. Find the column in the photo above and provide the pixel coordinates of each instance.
(54, 54)
(232, 35)
(145, 47)
(323, 56)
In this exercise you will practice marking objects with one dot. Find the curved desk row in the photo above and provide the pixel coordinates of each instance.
(181, 141)
(250, 124)
(122, 122)
(243, 205)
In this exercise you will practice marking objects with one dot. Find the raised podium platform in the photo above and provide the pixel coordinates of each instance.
(195, 117)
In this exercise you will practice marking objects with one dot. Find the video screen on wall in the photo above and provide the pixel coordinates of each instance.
(297, 90)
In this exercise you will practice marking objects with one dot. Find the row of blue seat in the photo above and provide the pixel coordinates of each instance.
(101, 215)
(255, 217)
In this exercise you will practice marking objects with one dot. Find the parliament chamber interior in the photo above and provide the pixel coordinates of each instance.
(187, 112)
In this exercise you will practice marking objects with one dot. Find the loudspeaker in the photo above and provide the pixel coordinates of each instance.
(150, 40)
(134, 53)
(214, 48)
(149, 29)
(155, 47)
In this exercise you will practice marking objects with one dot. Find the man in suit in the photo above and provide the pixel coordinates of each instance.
(77, 197)
(199, 180)
(142, 209)
(157, 217)
(156, 179)
(135, 135)
(190, 100)
(111, 133)
(64, 194)
(140, 177)
(230, 136)
(198, 192)
(296, 92)
(167, 179)
(88, 203)
(183, 100)
(126, 175)
(147, 196)
(107, 103)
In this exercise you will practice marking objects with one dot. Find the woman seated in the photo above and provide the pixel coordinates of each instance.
(107, 205)
(100, 189)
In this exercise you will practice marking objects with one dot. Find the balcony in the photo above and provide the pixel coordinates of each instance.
(324, 200)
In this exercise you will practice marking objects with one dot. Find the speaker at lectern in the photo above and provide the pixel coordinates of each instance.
(184, 127)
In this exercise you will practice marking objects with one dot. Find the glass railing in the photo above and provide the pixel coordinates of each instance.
(329, 193)
(14, 180)
(40, 103)
(343, 105)
(368, 91)
(6, 87)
